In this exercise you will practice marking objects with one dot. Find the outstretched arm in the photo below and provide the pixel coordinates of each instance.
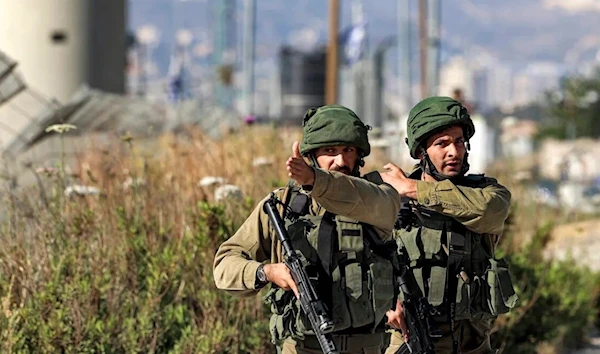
(354, 197)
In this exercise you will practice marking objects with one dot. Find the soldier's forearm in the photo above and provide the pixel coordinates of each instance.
(357, 198)
(479, 209)
(237, 276)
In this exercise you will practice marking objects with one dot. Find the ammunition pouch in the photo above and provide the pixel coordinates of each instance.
(453, 265)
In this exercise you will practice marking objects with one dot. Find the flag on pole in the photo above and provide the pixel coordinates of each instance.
(176, 88)
(353, 42)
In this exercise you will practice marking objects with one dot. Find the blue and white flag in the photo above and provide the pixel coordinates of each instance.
(353, 42)
(177, 89)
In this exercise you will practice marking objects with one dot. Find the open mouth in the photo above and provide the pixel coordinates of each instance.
(453, 164)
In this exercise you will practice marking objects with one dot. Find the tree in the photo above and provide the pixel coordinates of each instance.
(574, 109)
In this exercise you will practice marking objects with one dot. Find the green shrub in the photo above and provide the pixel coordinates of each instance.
(129, 270)
(557, 301)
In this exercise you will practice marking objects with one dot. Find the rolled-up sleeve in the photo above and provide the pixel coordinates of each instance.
(238, 258)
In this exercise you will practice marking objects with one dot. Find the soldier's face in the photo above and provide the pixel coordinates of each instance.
(340, 158)
(447, 150)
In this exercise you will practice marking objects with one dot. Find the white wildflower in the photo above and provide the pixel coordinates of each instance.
(130, 182)
(228, 192)
(262, 161)
(60, 128)
(81, 190)
(210, 181)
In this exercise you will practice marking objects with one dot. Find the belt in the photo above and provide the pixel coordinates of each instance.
(344, 342)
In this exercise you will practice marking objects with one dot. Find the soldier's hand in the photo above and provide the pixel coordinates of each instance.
(395, 318)
(298, 169)
(280, 275)
(405, 186)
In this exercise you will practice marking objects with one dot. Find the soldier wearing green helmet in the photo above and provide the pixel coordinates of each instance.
(353, 282)
(334, 125)
(449, 235)
(432, 116)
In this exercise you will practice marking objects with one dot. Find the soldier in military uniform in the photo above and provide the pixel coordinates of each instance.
(354, 282)
(449, 237)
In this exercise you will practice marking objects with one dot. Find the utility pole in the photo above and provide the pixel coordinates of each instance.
(423, 47)
(358, 70)
(331, 82)
(224, 46)
(249, 55)
(142, 83)
(433, 62)
(375, 102)
(404, 37)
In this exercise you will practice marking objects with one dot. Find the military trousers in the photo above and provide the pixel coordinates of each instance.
(473, 337)
(346, 344)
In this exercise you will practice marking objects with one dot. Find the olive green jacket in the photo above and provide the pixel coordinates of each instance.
(237, 259)
(481, 209)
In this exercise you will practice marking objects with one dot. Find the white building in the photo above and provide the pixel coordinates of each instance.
(516, 138)
(530, 84)
(456, 73)
(482, 152)
(499, 85)
(575, 160)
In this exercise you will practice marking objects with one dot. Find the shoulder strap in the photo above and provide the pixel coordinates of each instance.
(472, 179)
(298, 202)
(374, 177)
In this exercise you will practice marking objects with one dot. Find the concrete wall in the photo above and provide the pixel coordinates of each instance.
(62, 44)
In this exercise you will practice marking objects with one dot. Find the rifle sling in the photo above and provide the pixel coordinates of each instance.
(327, 242)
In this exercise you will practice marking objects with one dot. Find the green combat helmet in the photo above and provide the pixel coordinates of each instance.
(433, 115)
(332, 125)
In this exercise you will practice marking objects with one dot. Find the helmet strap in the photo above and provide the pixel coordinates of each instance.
(428, 167)
(313, 160)
(359, 163)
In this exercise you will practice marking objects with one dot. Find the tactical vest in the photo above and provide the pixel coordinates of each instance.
(454, 267)
(356, 285)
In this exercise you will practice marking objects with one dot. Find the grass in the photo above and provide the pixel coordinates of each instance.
(129, 270)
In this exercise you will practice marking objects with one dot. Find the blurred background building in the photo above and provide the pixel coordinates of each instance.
(162, 64)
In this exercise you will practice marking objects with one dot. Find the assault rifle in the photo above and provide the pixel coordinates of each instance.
(310, 303)
(418, 312)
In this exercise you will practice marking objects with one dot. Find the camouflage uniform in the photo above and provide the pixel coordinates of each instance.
(359, 300)
(469, 208)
